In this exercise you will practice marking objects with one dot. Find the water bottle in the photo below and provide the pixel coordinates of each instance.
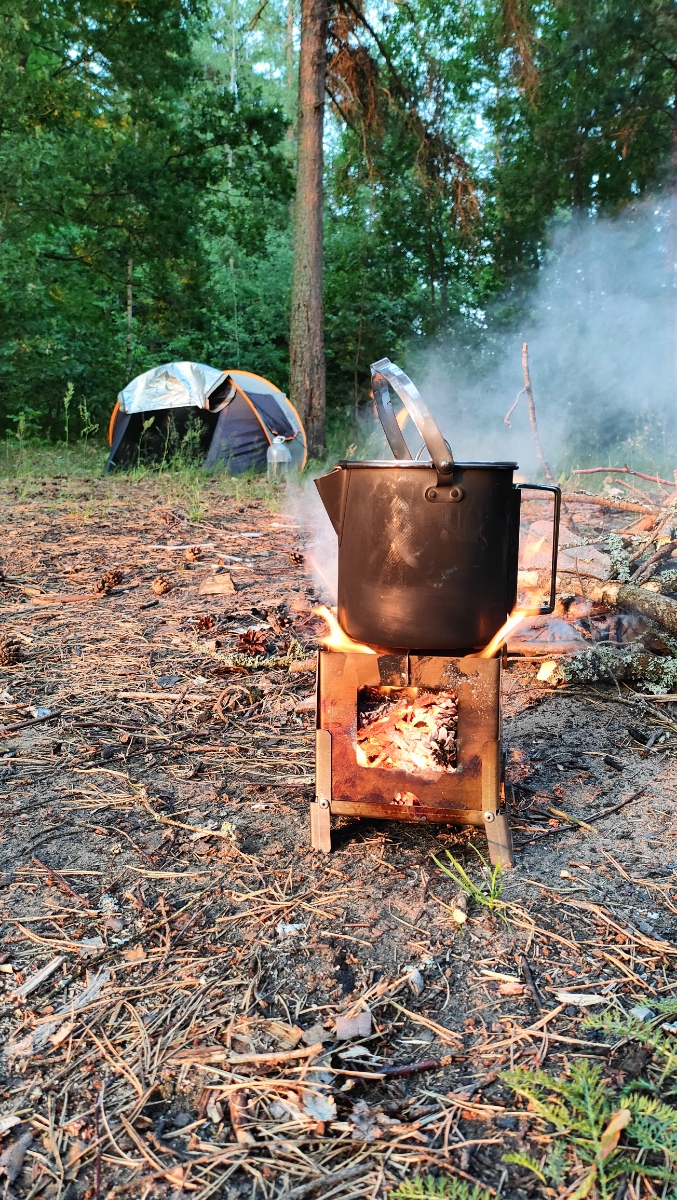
(278, 459)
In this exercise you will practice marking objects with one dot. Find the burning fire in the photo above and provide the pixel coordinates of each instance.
(516, 617)
(337, 639)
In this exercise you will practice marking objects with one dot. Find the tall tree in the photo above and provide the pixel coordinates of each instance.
(307, 370)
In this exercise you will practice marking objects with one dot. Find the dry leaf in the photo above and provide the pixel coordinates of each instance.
(62, 1033)
(350, 1027)
(12, 1160)
(7, 1123)
(510, 989)
(580, 999)
(609, 1139)
(138, 954)
(319, 1107)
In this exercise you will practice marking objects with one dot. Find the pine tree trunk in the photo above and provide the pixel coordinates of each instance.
(307, 366)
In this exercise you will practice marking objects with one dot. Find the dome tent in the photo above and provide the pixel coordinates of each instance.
(226, 418)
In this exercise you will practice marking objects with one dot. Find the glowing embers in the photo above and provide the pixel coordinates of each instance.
(407, 728)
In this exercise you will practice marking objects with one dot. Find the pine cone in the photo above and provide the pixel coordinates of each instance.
(251, 642)
(10, 651)
(296, 557)
(161, 585)
(193, 554)
(278, 618)
(205, 622)
(108, 580)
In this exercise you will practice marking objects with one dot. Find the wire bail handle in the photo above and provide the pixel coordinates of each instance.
(385, 372)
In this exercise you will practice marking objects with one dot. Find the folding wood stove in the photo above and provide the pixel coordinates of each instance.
(444, 715)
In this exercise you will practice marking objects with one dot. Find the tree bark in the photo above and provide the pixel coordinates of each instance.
(307, 371)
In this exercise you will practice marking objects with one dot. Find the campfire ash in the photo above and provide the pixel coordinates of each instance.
(407, 729)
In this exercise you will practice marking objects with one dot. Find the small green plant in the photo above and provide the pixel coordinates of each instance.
(488, 893)
(88, 426)
(189, 454)
(67, 397)
(588, 1117)
(195, 509)
(145, 426)
(422, 1186)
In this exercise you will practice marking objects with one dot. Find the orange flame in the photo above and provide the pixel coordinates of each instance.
(337, 639)
(516, 617)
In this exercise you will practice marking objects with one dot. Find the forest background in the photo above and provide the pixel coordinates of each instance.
(147, 181)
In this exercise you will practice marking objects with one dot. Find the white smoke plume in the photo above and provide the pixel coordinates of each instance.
(600, 323)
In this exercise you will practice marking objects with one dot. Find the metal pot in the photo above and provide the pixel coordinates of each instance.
(428, 551)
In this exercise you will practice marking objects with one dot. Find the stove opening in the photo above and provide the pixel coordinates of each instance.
(407, 728)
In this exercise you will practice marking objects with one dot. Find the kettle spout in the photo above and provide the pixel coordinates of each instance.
(333, 489)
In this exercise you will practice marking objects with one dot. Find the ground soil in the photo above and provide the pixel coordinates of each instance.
(154, 837)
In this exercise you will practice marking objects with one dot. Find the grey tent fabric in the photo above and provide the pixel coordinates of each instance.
(173, 385)
(228, 418)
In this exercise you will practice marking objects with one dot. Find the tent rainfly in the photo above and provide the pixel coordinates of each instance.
(224, 418)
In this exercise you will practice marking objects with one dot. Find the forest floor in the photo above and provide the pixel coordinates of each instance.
(197, 954)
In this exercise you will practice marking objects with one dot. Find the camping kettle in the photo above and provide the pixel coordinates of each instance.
(428, 550)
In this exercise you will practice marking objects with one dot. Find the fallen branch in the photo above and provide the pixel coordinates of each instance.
(637, 599)
(622, 471)
(607, 502)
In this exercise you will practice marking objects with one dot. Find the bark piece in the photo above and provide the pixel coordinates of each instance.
(217, 585)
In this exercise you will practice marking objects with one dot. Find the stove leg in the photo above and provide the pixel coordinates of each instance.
(320, 811)
(499, 838)
(496, 823)
(320, 826)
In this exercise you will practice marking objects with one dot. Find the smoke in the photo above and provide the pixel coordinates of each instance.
(600, 324)
(302, 503)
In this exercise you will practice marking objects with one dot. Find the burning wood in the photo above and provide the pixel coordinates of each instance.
(407, 729)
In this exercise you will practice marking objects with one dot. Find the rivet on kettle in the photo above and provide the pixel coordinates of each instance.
(431, 494)
(456, 493)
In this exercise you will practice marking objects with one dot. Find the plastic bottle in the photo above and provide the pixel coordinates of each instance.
(278, 459)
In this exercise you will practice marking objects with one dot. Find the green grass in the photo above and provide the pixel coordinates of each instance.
(78, 473)
(488, 892)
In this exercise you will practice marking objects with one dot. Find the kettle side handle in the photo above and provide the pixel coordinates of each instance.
(557, 496)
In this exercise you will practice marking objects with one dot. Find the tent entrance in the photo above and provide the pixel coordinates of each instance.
(192, 413)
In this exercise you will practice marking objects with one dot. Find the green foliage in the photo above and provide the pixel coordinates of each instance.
(448, 1186)
(602, 1131)
(116, 155)
(580, 1107)
(488, 893)
(552, 1168)
(152, 144)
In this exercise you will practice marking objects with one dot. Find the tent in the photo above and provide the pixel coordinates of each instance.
(223, 418)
